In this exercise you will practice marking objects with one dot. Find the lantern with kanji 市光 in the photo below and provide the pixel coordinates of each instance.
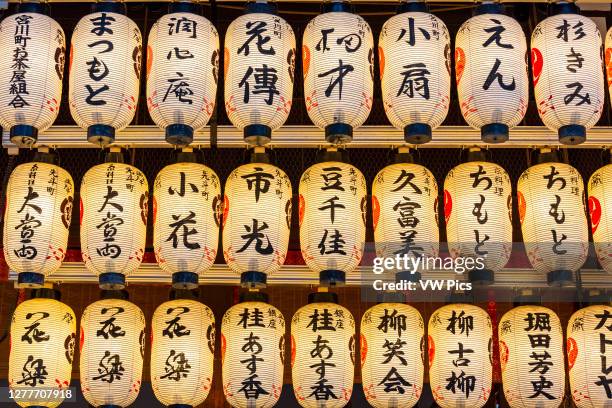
(182, 352)
(600, 211)
(32, 69)
(531, 357)
(42, 344)
(105, 63)
(459, 349)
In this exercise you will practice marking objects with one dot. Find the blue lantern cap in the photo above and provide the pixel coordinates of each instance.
(24, 134)
(481, 276)
(179, 134)
(260, 8)
(101, 134)
(407, 276)
(412, 6)
(108, 7)
(572, 134)
(417, 133)
(111, 281)
(332, 277)
(337, 6)
(253, 279)
(489, 8)
(257, 135)
(184, 7)
(560, 277)
(339, 133)
(32, 8)
(184, 280)
(494, 133)
(30, 280)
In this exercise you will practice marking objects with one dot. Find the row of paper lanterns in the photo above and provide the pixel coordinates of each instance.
(393, 353)
(182, 71)
(254, 215)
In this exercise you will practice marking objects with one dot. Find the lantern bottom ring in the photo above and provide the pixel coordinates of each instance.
(101, 134)
(481, 276)
(253, 279)
(409, 276)
(332, 277)
(179, 134)
(322, 297)
(494, 133)
(24, 135)
(257, 135)
(417, 133)
(111, 281)
(572, 134)
(560, 277)
(30, 280)
(339, 133)
(185, 280)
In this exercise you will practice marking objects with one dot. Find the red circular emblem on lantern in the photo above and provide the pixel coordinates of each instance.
(375, 211)
(431, 349)
(595, 213)
(459, 63)
(448, 205)
(572, 352)
(363, 349)
(537, 62)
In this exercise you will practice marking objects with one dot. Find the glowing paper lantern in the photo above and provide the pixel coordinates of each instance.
(182, 72)
(459, 343)
(105, 60)
(31, 69)
(405, 211)
(338, 65)
(491, 72)
(600, 210)
(43, 339)
(478, 213)
(114, 209)
(531, 356)
(553, 220)
(39, 197)
(589, 350)
(111, 352)
(259, 72)
(332, 219)
(322, 354)
(182, 352)
(414, 54)
(252, 354)
(392, 355)
(568, 81)
(256, 221)
(186, 219)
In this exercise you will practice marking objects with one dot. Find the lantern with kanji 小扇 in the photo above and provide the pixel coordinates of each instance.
(600, 211)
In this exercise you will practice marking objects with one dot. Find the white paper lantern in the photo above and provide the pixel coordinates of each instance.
(553, 220)
(105, 62)
(39, 199)
(43, 339)
(332, 208)
(111, 352)
(182, 352)
(253, 354)
(405, 211)
(491, 72)
(531, 357)
(182, 74)
(256, 221)
(338, 67)
(322, 355)
(478, 213)
(186, 219)
(566, 59)
(414, 57)
(31, 69)
(589, 351)
(259, 72)
(459, 344)
(600, 210)
(392, 352)
(114, 210)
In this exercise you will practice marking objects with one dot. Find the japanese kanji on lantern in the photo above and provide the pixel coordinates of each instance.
(31, 71)
(186, 219)
(566, 62)
(42, 343)
(39, 199)
(589, 351)
(182, 352)
(259, 70)
(323, 352)
(111, 352)
(182, 72)
(256, 219)
(405, 210)
(414, 54)
(253, 353)
(459, 349)
(338, 68)
(105, 61)
(553, 219)
(392, 355)
(114, 211)
(491, 72)
(531, 357)
(600, 210)
(332, 211)
(478, 214)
